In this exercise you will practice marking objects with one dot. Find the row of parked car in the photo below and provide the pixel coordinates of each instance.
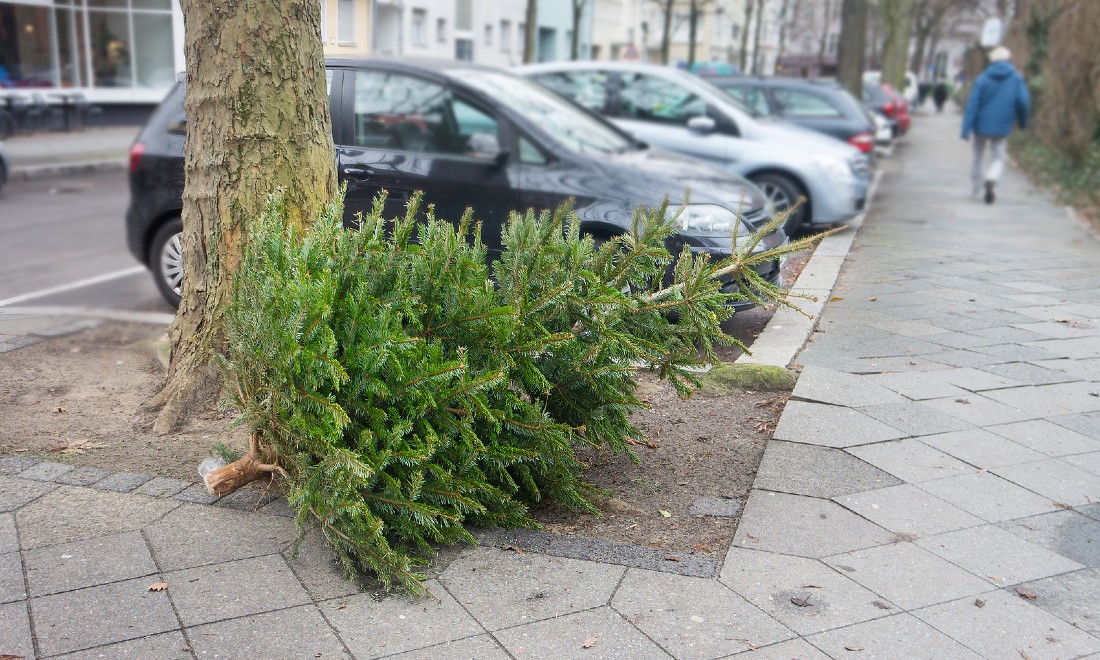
(610, 136)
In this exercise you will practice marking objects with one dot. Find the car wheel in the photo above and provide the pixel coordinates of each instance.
(166, 260)
(783, 194)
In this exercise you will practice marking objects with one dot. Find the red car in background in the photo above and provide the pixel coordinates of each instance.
(901, 108)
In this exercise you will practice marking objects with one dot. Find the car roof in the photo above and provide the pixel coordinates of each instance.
(438, 66)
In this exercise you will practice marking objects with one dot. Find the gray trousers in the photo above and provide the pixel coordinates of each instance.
(980, 174)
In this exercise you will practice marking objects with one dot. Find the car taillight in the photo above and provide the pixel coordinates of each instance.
(865, 142)
(888, 109)
(136, 152)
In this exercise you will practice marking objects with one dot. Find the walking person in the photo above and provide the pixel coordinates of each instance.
(998, 98)
(939, 94)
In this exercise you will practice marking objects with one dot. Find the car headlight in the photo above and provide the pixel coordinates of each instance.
(834, 167)
(710, 220)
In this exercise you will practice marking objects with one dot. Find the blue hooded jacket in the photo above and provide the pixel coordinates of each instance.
(999, 95)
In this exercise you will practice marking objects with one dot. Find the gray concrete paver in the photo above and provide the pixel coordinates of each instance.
(15, 630)
(502, 589)
(801, 469)
(692, 617)
(1087, 424)
(8, 540)
(234, 589)
(73, 513)
(162, 487)
(906, 509)
(978, 409)
(804, 526)
(989, 497)
(1030, 373)
(15, 492)
(795, 649)
(912, 461)
(918, 385)
(299, 632)
(900, 572)
(317, 569)
(982, 449)
(1070, 597)
(823, 599)
(122, 482)
(165, 646)
(11, 578)
(1056, 479)
(997, 555)
(899, 636)
(480, 647)
(116, 612)
(45, 471)
(915, 418)
(610, 636)
(1067, 533)
(194, 535)
(831, 426)
(838, 388)
(1089, 462)
(1007, 626)
(88, 563)
(1051, 400)
(82, 476)
(1047, 437)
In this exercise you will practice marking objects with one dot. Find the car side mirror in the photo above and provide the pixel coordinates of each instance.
(702, 125)
(485, 146)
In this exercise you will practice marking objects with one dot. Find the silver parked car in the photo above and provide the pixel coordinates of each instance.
(674, 110)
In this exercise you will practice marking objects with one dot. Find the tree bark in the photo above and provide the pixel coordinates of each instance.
(578, 11)
(745, 36)
(692, 31)
(897, 23)
(530, 38)
(258, 121)
(666, 33)
(756, 37)
(824, 42)
(853, 46)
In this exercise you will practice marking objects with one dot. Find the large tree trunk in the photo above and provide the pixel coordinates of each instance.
(530, 37)
(745, 36)
(853, 46)
(897, 23)
(756, 37)
(257, 120)
(666, 32)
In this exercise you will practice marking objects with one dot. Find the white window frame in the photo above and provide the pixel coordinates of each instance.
(505, 37)
(350, 41)
(419, 38)
(441, 30)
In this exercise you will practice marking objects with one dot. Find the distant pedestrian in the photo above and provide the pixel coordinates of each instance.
(939, 94)
(923, 89)
(998, 97)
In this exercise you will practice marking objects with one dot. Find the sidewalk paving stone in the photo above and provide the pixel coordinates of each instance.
(1008, 627)
(502, 589)
(11, 578)
(162, 487)
(12, 465)
(977, 380)
(1075, 348)
(45, 471)
(15, 492)
(978, 409)
(719, 507)
(912, 461)
(800, 469)
(899, 636)
(1089, 462)
(482, 647)
(770, 581)
(997, 555)
(982, 449)
(299, 632)
(917, 385)
(194, 535)
(164, 646)
(1070, 597)
(831, 426)
(316, 567)
(1087, 424)
(915, 418)
(1051, 400)
(694, 618)
(8, 539)
(901, 573)
(82, 476)
(115, 612)
(196, 494)
(1047, 437)
(804, 526)
(1055, 330)
(249, 500)
(563, 637)
(1055, 478)
(795, 649)
(88, 563)
(73, 513)
(122, 482)
(906, 509)
(636, 556)
(234, 589)
(989, 497)
(1030, 373)
(1068, 533)
(838, 388)
(374, 627)
(15, 630)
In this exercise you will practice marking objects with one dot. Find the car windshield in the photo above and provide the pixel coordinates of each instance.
(565, 122)
(749, 100)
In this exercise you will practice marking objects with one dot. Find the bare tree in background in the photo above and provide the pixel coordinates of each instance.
(930, 17)
(693, 30)
(756, 36)
(749, 4)
(531, 33)
(666, 32)
(578, 14)
(897, 24)
(823, 36)
(788, 17)
(852, 49)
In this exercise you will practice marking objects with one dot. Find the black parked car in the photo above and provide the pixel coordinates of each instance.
(467, 136)
(822, 106)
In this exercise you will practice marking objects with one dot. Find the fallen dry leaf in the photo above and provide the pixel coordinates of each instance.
(978, 602)
(664, 514)
(1061, 505)
(853, 648)
(158, 586)
(836, 298)
(811, 586)
(11, 657)
(881, 605)
(672, 558)
(873, 298)
(59, 409)
(801, 602)
(1025, 656)
(701, 547)
(77, 446)
(588, 643)
(1024, 593)
(513, 549)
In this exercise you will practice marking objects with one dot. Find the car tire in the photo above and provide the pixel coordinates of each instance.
(166, 260)
(783, 193)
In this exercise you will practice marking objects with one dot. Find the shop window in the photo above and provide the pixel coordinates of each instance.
(112, 56)
(155, 64)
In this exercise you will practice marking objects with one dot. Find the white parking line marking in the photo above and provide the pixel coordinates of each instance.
(79, 284)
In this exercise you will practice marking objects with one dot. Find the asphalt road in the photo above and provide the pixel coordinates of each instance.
(57, 233)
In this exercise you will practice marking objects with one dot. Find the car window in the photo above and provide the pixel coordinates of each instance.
(588, 88)
(405, 113)
(752, 98)
(799, 103)
(657, 100)
(529, 154)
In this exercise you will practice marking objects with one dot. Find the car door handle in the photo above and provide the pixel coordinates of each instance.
(360, 173)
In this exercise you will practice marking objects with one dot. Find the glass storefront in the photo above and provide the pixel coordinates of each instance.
(97, 45)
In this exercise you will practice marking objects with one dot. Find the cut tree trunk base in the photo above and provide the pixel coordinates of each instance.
(253, 466)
